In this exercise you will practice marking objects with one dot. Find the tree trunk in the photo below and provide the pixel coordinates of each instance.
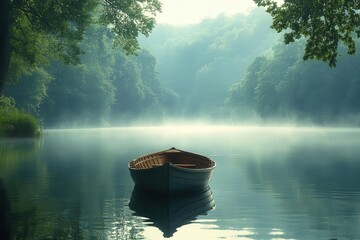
(4, 41)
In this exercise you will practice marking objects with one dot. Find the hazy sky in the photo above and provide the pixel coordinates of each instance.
(182, 12)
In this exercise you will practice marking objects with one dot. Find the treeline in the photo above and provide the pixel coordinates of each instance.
(108, 87)
(224, 68)
(201, 62)
(189, 78)
(281, 86)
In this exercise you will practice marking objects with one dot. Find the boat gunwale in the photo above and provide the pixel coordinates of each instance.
(206, 159)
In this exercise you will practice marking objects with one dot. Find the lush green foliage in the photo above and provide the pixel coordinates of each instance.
(325, 24)
(190, 77)
(42, 31)
(128, 19)
(108, 87)
(15, 123)
(40, 28)
(30, 89)
(283, 86)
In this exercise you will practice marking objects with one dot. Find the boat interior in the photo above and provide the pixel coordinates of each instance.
(179, 159)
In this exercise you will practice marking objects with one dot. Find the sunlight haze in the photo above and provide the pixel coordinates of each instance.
(189, 12)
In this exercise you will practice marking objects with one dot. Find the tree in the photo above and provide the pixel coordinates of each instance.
(35, 32)
(4, 40)
(324, 23)
(281, 86)
(81, 93)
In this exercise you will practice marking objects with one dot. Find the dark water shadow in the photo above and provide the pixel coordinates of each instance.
(170, 212)
(5, 214)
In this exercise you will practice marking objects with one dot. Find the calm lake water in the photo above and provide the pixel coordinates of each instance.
(269, 183)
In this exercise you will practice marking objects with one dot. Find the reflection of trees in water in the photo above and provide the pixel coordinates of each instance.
(321, 182)
(19, 165)
(5, 227)
(65, 195)
(15, 152)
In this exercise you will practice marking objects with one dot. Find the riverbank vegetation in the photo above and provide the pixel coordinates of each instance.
(16, 123)
(39, 43)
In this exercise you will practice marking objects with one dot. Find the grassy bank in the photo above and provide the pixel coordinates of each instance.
(15, 123)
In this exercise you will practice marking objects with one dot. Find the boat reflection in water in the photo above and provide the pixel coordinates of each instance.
(169, 212)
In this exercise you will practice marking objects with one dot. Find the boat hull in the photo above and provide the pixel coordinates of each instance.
(169, 178)
(171, 171)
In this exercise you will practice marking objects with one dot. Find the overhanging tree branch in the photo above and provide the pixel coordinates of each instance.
(325, 24)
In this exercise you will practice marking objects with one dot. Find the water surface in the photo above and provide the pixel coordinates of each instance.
(270, 183)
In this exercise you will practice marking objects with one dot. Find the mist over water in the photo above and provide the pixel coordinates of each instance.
(284, 133)
(270, 182)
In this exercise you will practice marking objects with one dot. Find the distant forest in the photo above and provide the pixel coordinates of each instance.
(224, 69)
(282, 87)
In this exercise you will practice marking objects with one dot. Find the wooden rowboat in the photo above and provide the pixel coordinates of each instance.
(171, 171)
